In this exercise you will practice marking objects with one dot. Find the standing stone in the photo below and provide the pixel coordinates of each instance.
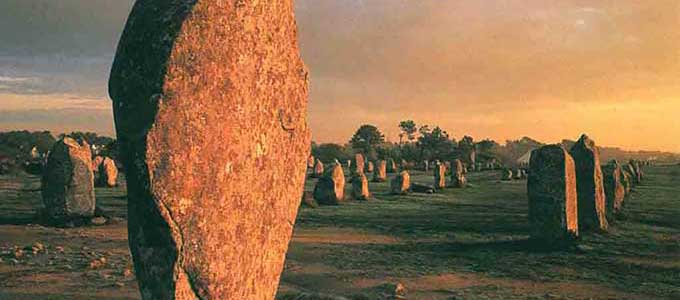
(369, 167)
(360, 187)
(632, 174)
(96, 162)
(591, 198)
(310, 162)
(518, 174)
(439, 176)
(359, 163)
(553, 208)
(401, 183)
(68, 182)
(635, 169)
(457, 174)
(626, 181)
(613, 189)
(391, 166)
(380, 174)
(448, 166)
(640, 171)
(108, 173)
(403, 165)
(318, 169)
(210, 101)
(507, 175)
(330, 189)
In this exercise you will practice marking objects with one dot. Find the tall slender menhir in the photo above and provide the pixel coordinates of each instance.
(209, 101)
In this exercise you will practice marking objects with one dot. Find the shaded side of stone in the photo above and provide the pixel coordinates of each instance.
(401, 183)
(318, 170)
(68, 182)
(422, 188)
(369, 167)
(108, 173)
(380, 173)
(330, 189)
(613, 189)
(551, 186)
(590, 186)
(391, 166)
(360, 189)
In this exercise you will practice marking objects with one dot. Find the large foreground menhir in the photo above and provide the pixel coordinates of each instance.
(209, 103)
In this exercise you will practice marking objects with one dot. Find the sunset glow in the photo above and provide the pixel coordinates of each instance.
(493, 69)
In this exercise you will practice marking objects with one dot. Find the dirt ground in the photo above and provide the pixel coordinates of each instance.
(460, 244)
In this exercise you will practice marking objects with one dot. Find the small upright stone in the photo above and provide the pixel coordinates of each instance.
(108, 173)
(626, 181)
(613, 189)
(507, 175)
(457, 174)
(380, 174)
(369, 167)
(518, 174)
(553, 208)
(310, 162)
(401, 183)
(68, 182)
(592, 208)
(391, 166)
(358, 164)
(439, 176)
(628, 168)
(330, 189)
(636, 171)
(318, 169)
(403, 165)
(360, 187)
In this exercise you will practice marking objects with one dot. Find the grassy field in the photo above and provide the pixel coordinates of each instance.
(459, 244)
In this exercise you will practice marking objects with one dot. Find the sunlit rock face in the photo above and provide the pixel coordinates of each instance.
(210, 101)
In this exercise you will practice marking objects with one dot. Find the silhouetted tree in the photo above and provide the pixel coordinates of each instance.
(366, 139)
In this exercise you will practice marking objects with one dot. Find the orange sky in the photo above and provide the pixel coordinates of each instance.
(500, 69)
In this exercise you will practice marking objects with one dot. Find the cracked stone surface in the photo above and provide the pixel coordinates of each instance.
(210, 101)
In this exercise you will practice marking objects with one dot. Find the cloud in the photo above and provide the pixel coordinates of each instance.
(494, 68)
